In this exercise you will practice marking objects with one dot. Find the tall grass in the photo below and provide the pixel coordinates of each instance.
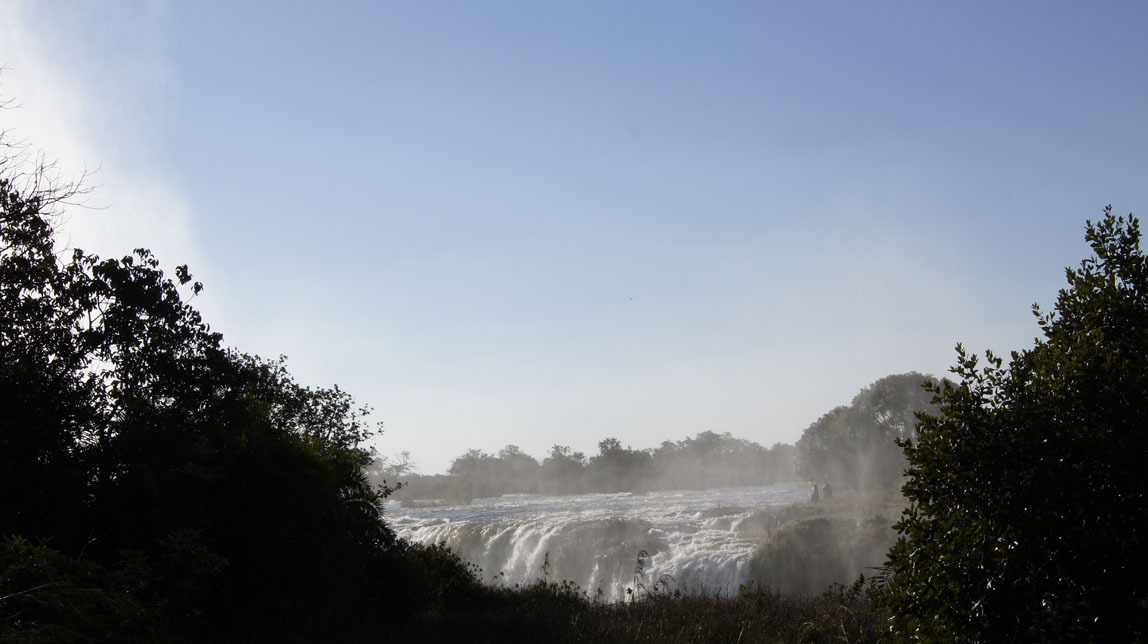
(560, 612)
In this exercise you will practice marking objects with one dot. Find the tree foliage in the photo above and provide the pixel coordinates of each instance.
(1028, 487)
(856, 446)
(162, 479)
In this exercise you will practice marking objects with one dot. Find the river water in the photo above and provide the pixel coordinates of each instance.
(700, 539)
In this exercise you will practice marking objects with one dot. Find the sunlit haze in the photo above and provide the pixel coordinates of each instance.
(549, 223)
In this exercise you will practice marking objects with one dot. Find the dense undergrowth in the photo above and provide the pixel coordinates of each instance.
(68, 599)
(83, 602)
(560, 612)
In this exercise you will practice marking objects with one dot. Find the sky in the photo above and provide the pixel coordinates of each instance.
(540, 223)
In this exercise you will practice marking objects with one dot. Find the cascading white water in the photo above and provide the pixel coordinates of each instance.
(594, 539)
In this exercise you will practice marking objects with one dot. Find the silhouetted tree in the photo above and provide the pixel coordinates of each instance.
(1028, 488)
(178, 486)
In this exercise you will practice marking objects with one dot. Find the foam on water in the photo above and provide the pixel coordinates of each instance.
(594, 539)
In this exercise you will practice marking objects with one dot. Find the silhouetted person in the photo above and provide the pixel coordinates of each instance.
(816, 496)
(828, 491)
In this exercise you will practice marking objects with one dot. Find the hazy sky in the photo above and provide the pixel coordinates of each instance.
(543, 222)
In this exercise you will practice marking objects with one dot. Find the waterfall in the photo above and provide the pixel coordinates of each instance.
(702, 540)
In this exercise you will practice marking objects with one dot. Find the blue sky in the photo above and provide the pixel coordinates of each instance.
(547, 223)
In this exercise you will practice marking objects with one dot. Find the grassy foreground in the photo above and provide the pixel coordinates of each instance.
(549, 612)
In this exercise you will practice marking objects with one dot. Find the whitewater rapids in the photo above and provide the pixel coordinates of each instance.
(700, 539)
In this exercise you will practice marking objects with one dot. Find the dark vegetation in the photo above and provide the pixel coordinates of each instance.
(555, 612)
(1029, 486)
(707, 461)
(155, 486)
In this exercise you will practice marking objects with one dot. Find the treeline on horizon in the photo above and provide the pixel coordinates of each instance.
(708, 460)
(851, 447)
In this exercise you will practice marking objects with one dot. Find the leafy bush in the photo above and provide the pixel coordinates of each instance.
(129, 435)
(1028, 488)
(46, 596)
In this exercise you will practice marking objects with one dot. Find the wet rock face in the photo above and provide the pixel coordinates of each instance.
(807, 555)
